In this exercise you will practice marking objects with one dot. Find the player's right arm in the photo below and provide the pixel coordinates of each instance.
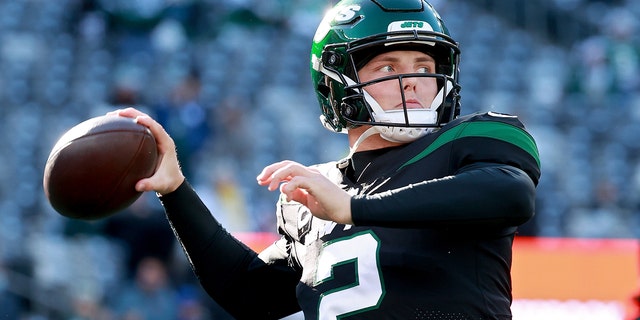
(168, 175)
(232, 274)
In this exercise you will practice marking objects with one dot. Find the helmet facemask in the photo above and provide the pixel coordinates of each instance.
(397, 125)
(402, 124)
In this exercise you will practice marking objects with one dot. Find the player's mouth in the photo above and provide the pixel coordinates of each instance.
(410, 104)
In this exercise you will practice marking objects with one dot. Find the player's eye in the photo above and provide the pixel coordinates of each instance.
(423, 70)
(387, 68)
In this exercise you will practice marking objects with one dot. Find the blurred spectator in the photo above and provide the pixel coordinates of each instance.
(142, 230)
(149, 297)
(183, 116)
(609, 63)
(232, 129)
(88, 308)
(592, 74)
(224, 197)
(190, 304)
(11, 306)
(623, 49)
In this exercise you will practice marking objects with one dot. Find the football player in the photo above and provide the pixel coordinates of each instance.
(417, 222)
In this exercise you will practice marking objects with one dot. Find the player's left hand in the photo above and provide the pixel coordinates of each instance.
(306, 185)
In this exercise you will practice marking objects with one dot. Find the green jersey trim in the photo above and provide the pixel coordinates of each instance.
(486, 129)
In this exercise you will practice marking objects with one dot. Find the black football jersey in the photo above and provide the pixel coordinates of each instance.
(432, 266)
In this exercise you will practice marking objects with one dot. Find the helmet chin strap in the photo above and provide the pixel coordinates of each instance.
(344, 162)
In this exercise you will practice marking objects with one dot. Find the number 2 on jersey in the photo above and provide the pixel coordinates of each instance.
(366, 292)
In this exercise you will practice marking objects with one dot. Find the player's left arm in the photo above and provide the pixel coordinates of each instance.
(481, 193)
(498, 168)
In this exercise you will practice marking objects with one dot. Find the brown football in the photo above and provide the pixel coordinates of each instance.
(92, 170)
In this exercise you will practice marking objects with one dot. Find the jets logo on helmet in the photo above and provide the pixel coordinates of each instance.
(338, 16)
(346, 14)
(403, 25)
(409, 25)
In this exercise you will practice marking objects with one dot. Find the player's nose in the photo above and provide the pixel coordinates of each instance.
(409, 83)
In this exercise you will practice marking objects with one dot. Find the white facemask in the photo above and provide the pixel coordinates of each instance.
(415, 116)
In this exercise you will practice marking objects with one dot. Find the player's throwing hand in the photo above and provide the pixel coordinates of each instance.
(168, 176)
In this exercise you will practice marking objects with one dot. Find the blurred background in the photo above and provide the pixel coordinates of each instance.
(230, 81)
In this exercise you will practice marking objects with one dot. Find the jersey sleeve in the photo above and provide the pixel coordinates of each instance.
(487, 137)
(230, 272)
(493, 170)
(480, 194)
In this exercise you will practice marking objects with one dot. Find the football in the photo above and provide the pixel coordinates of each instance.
(92, 169)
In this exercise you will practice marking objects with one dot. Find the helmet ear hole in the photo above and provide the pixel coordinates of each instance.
(332, 59)
(353, 108)
(323, 90)
(348, 111)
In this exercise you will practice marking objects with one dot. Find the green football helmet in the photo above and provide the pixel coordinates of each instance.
(352, 33)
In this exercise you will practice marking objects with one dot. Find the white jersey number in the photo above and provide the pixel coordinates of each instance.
(366, 292)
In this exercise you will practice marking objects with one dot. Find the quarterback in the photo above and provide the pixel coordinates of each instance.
(417, 222)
